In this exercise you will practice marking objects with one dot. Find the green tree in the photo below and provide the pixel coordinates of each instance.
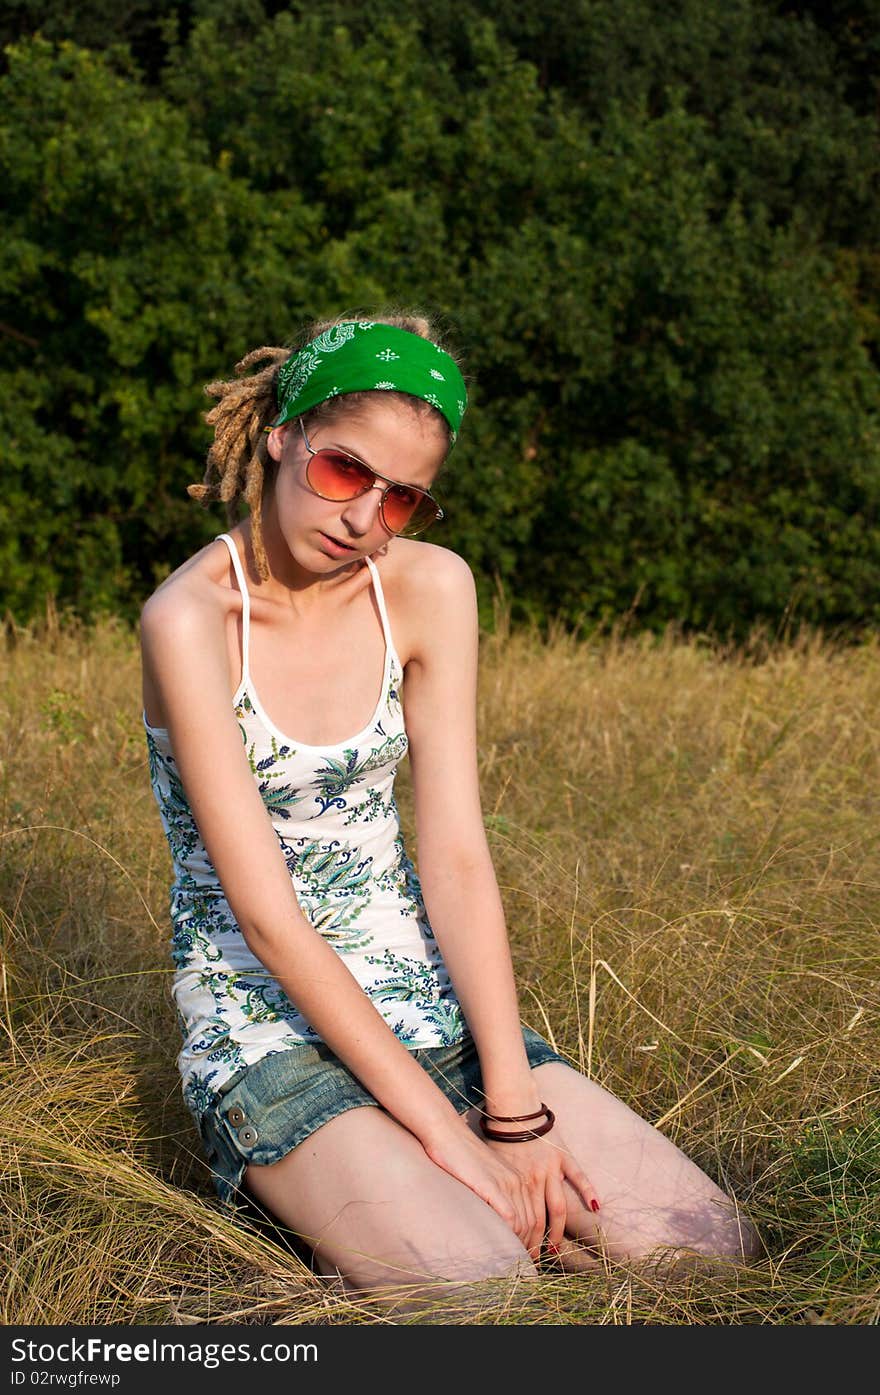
(670, 352)
(132, 268)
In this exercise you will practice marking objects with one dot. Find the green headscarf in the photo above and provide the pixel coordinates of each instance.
(358, 355)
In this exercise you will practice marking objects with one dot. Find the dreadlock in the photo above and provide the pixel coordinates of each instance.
(239, 465)
(238, 457)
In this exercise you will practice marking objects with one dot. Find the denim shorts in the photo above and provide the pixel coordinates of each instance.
(273, 1105)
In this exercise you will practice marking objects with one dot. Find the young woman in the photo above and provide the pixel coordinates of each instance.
(352, 1049)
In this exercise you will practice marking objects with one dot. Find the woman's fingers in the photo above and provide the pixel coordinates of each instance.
(506, 1203)
(529, 1195)
(511, 1202)
(554, 1201)
(526, 1214)
(531, 1190)
(582, 1185)
(534, 1237)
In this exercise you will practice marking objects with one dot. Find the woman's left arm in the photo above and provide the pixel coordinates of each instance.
(455, 868)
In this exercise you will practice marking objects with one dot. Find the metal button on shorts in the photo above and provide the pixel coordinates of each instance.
(235, 1116)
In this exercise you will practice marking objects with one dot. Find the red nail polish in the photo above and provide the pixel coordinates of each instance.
(594, 1205)
(554, 1249)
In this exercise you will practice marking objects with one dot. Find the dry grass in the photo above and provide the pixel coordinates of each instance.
(687, 845)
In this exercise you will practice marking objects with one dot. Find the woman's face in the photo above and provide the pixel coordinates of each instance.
(321, 535)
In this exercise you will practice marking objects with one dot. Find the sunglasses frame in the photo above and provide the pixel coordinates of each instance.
(388, 483)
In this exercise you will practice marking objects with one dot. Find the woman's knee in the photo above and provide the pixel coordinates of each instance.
(449, 1287)
(376, 1210)
(710, 1234)
(424, 1258)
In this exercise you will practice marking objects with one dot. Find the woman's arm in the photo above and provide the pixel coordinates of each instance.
(461, 892)
(183, 644)
(455, 867)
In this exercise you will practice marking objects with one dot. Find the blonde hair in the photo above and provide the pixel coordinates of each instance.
(239, 466)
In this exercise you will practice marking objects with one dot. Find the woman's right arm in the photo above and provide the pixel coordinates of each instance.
(184, 652)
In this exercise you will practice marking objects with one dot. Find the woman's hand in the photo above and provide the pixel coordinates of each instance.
(464, 1156)
(522, 1182)
(543, 1165)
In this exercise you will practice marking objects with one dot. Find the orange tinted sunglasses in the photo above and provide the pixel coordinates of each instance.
(335, 475)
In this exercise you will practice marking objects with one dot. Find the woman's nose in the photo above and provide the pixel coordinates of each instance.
(361, 512)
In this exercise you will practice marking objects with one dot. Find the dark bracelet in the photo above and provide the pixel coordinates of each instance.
(515, 1118)
(524, 1136)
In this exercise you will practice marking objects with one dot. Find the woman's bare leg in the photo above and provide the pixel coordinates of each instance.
(653, 1198)
(363, 1192)
(377, 1211)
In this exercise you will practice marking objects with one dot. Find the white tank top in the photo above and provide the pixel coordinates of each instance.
(335, 815)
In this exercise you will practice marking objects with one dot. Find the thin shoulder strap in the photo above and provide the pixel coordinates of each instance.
(245, 604)
(380, 601)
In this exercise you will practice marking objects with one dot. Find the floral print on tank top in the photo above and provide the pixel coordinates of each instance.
(336, 819)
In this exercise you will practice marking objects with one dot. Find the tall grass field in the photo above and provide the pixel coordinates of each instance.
(688, 848)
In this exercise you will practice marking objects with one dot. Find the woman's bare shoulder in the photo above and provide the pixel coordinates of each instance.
(198, 586)
(421, 580)
(184, 625)
(412, 565)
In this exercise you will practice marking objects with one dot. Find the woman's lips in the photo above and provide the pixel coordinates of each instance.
(337, 548)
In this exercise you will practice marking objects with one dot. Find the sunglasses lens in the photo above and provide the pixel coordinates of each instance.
(336, 476)
(407, 510)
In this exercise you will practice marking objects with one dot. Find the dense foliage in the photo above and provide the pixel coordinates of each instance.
(651, 230)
